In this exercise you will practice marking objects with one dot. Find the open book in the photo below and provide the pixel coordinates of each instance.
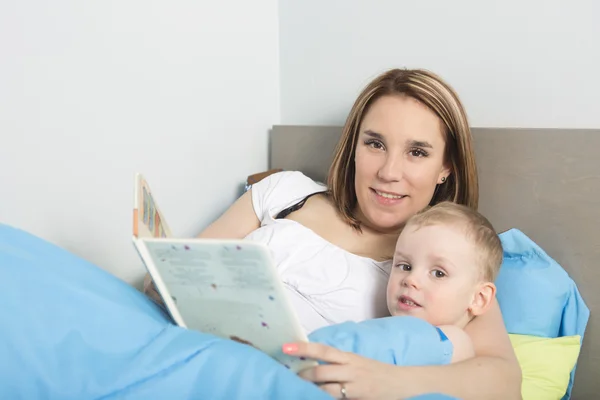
(228, 288)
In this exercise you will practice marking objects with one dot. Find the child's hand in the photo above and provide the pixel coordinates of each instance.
(150, 290)
(347, 375)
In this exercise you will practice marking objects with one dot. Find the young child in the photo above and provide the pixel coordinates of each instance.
(445, 263)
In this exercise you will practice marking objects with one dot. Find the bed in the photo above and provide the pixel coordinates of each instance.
(545, 182)
(70, 330)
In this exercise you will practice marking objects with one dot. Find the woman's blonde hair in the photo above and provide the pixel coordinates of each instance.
(461, 185)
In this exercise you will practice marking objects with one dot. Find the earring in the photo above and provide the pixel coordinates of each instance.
(443, 179)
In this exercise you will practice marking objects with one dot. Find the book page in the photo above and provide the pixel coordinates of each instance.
(229, 289)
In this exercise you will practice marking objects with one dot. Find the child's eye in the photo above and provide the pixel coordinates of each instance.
(404, 267)
(418, 153)
(438, 273)
(375, 144)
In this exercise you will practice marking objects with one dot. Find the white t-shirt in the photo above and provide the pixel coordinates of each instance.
(326, 284)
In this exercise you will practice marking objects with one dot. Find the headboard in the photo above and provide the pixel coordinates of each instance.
(545, 182)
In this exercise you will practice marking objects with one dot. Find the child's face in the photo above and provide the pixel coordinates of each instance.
(435, 275)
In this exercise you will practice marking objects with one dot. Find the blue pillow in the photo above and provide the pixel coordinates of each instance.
(70, 330)
(536, 295)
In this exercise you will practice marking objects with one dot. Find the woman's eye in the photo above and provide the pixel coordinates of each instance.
(376, 144)
(438, 274)
(418, 153)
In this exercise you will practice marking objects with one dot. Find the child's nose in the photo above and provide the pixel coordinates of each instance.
(411, 280)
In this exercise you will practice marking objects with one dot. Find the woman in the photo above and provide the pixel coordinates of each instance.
(406, 144)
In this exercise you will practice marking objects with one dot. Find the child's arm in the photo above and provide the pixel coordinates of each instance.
(461, 342)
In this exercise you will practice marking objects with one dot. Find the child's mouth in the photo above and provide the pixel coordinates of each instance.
(406, 302)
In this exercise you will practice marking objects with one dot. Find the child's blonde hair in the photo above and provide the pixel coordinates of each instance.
(477, 228)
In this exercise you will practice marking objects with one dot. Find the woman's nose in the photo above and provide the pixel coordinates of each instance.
(391, 170)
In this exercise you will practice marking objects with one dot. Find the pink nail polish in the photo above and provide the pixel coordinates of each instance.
(289, 348)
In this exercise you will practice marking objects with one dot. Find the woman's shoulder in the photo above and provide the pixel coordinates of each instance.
(289, 184)
(280, 190)
(291, 178)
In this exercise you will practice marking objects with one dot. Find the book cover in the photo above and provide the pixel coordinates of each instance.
(148, 220)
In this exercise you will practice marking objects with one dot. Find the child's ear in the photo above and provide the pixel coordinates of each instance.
(482, 299)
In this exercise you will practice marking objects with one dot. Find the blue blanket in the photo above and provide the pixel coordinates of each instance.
(70, 330)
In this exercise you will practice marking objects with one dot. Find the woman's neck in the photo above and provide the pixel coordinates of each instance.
(366, 224)
(385, 242)
(384, 239)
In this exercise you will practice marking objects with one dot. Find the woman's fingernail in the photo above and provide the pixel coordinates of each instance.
(290, 348)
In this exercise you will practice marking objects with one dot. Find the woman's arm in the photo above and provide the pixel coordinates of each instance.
(235, 223)
(493, 373)
(462, 345)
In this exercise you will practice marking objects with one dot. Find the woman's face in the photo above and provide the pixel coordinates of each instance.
(399, 160)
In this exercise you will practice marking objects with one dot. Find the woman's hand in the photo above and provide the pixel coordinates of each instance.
(347, 375)
(494, 372)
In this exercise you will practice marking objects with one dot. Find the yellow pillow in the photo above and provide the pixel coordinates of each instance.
(546, 364)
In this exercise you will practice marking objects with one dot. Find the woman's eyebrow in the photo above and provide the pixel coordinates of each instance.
(409, 143)
(418, 143)
(374, 135)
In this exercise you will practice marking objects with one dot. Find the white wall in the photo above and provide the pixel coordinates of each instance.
(514, 63)
(185, 92)
(91, 92)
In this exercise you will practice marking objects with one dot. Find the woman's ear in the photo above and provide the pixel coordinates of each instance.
(482, 299)
(444, 173)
